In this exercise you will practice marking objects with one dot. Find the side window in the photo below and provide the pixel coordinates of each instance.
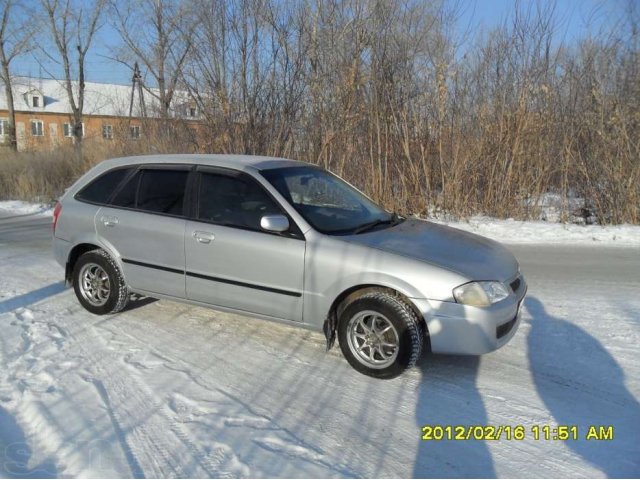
(162, 191)
(233, 201)
(126, 197)
(102, 187)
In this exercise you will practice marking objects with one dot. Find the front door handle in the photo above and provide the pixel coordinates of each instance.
(203, 237)
(109, 221)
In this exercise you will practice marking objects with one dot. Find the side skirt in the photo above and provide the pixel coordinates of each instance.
(244, 313)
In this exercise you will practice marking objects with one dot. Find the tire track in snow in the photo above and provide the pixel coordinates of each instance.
(220, 459)
(26, 386)
(136, 470)
(148, 450)
(152, 441)
(281, 441)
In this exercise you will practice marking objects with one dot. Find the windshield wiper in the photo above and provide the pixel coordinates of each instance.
(395, 219)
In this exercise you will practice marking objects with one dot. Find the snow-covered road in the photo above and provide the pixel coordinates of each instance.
(165, 389)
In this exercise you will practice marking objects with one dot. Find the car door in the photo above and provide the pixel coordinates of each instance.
(230, 261)
(145, 224)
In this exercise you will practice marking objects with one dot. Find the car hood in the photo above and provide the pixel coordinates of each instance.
(470, 255)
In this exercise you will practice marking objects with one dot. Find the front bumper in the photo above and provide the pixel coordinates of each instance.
(461, 329)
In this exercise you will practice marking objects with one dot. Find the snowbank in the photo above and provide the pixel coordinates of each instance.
(514, 231)
(554, 207)
(17, 207)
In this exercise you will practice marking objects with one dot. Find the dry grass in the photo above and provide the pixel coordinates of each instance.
(39, 176)
(44, 175)
(499, 175)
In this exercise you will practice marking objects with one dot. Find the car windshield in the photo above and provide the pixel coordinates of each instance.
(327, 202)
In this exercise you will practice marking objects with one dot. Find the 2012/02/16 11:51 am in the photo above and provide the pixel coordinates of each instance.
(517, 432)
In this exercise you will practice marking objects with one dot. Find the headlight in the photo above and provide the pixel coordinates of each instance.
(480, 294)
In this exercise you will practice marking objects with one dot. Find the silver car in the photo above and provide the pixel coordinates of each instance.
(286, 241)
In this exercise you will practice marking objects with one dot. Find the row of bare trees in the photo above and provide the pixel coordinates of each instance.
(387, 94)
(391, 95)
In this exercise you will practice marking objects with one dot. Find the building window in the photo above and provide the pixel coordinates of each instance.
(37, 128)
(35, 101)
(4, 128)
(107, 132)
(67, 130)
(192, 112)
(135, 131)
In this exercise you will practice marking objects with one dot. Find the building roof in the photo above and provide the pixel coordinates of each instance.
(100, 98)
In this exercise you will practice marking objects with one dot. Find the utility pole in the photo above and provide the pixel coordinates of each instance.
(137, 85)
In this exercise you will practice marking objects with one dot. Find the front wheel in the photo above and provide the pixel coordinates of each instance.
(99, 283)
(380, 335)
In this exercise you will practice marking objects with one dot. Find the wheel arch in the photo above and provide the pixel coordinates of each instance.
(74, 254)
(352, 293)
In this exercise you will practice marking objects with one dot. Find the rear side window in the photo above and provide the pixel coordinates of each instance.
(162, 191)
(126, 197)
(102, 187)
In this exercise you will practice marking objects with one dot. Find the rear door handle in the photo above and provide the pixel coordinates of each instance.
(109, 221)
(203, 237)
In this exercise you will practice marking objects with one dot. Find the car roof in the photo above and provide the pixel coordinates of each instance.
(238, 162)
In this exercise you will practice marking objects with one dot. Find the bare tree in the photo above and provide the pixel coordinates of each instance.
(246, 73)
(72, 27)
(158, 34)
(16, 33)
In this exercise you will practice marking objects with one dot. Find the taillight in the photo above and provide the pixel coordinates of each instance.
(56, 214)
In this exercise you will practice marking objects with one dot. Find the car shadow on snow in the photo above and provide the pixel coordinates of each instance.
(15, 453)
(138, 301)
(448, 396)
(26, 299)
(34, 296)
(581, 384)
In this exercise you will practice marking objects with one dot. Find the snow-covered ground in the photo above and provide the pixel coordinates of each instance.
(552, 207)
(18, 207)
(164, 389)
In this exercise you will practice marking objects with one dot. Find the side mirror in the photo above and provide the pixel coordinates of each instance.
(274, 223)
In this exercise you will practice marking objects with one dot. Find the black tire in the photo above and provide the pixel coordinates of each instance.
(408, 326)
(118, 295)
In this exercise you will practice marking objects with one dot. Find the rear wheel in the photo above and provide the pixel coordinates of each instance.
(99, 283)
(380, 335)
